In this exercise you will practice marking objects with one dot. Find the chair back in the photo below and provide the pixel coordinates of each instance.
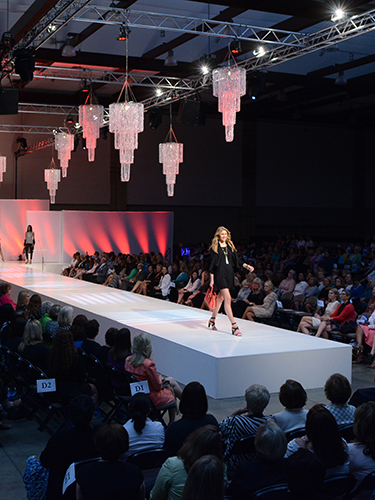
(296, 433)
(276, 492)
(148, 459)
(244, 446)
(338, 486)
(346, 431)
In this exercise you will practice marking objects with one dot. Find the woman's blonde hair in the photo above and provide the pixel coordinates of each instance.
(141, 349)
(32, 335)
(270, 285)
(216, 238)
(260, 283)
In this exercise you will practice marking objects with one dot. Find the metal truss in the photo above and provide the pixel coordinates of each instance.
(339, 32)
(50, 109)
(112, 77)
(31, 129)
(183, 24)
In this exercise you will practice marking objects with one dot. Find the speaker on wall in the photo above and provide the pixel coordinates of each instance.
(192, 112)
(8, 101)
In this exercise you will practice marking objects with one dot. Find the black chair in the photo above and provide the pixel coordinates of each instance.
(121, 393)
(71, 489)
(277, 492)
(346, 431)
(149, 461)
(338, 486)
(296, 433)
(365, 489)
(244, 446)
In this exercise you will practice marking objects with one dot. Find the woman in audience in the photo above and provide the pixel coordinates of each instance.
(192, 286)
(337, 390)
(205, 480)
(267, 469)
(265, 310)
(23, 300)
(323, 438)
(45, 317)
(162, 289)
(144, 434)
(66, 366)
(31, 346)
(65, 318)
(109, 477)
(16, 330)
(324, 292)
(6, 316)
(313, 322)
(362, 451)
(172, 476)
(293, 397)
(34, 307)
(77, 329)
(140, 365)
(196, 299)
(344, 313)
(5, 290)
(193, 406)
(52, 327)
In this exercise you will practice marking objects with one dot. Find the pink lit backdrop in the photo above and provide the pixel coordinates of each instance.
(13, 223)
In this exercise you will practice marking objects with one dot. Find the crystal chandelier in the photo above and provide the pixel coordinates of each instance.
(64, 143)
(52, 178)
(126, 120)
(229, 84)
(170, 155)
(91, 120)
(3, 165)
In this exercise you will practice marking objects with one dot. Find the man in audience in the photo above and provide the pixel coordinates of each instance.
(244, 422)
(68, 446)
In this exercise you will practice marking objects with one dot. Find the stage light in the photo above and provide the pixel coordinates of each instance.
(155, 118)
(85, 87)
(68, 49)
(22, 141)
(338, 15)
(260, 51)
(171, 60)
(69, 120)
(235, 47)
(123, 34)
(158, 92)
(205, 69)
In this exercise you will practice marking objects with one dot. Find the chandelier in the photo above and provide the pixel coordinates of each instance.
(170, 155)
(229, 84)
(3, 165)
(91, 120)
(52, 178)
(64, 143)
(126, 120)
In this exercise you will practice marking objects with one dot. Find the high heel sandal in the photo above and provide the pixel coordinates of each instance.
(211, 323)
(361, 356)
(236, 330)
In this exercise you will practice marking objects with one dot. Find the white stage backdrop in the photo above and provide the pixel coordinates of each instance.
(60, 234)
(47, 227)
(13, 221)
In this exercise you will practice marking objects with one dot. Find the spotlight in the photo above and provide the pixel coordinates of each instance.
(155, 118)
(207, 64)
(259, 52)
(123, 34)
(256, 85)
(69, 120)
(158, 92)
(235, 47)
(341, 80)
(171, 60)
(85, 87)
(68, 49)
(338, 15)
(22, 142)
(51, 28)
(25, 63)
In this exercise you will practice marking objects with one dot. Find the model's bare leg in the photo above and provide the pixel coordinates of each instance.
(228, 304)
(220, 299)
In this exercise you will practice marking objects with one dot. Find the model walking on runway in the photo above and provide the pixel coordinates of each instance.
(29, 243)
(224, 261)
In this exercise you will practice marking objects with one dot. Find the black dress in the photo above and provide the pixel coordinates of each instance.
(223, 269)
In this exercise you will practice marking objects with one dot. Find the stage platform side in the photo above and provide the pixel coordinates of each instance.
(183, 346)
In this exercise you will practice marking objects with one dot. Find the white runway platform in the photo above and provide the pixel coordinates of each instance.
(183, 346)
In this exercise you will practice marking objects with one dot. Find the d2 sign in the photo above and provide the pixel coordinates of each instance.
(46, 385)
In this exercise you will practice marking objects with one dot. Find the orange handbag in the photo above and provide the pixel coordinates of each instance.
(210, 298)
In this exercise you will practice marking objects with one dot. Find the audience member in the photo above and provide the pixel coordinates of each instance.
(265, 310)
(337, 390)
(293, 397)
(305, 476)
(52, 327)
(5, 290)
(102, 352)
(89, 345)
(205, 480)
(77, 329)
(45, 317)
(31, 346)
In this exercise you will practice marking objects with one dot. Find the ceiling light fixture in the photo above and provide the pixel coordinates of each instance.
(171, 60)
(341, 80)
(123, 34)
(338, 15)
(260, 51)
(68, 49)
(158, 92)
(235, 47)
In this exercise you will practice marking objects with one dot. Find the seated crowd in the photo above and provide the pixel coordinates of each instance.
(199, 453)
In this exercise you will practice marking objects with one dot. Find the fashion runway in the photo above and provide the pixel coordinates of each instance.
(183, 346)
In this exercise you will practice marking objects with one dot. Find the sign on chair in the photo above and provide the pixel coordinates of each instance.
(137, 387)
(46, 385)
